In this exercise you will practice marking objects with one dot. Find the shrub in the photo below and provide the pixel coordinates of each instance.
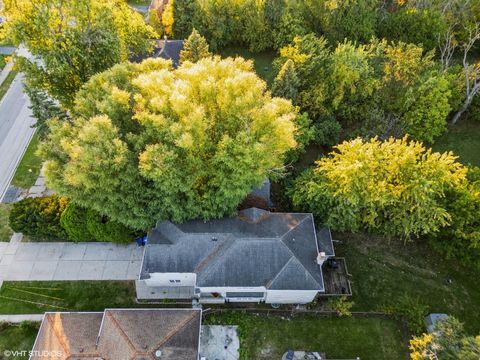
(74, 221)
(39, 217)
(341, 305)
(411, 310)
(104, 229)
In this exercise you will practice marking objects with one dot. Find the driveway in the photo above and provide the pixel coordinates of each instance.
(15, 131)
(68, 261)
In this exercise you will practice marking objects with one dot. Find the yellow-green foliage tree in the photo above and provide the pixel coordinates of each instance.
(194, 48)
(149, 143)
(396, 187)
(74, 40)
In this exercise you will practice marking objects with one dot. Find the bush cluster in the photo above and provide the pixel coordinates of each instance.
(56, 218)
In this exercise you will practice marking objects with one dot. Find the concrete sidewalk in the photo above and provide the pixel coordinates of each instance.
(21, 318)
(68, 261)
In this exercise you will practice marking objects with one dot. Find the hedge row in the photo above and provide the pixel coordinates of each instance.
(56, 218)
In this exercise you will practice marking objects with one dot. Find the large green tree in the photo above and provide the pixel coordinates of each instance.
(395, 188)
(73, 40)
(149, 143)
(379, 88)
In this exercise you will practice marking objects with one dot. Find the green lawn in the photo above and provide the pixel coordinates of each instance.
(29, 168)
(262, 61)
(383, 274)
(463, 139)
(2, 61)
(269, 337)
(40, 296)
(6, 83)
(5, 231)
(17, 337)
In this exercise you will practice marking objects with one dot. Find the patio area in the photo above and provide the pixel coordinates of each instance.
(336, 277)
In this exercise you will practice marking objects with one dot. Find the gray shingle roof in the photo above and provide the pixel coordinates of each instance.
(256, 248)
(170, 50)
(120, 334)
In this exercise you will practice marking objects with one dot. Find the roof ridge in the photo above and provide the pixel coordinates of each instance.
(122, 333)
(282, 240)
(66, 349)
(213, 254)
(176, 330)
(281, 270)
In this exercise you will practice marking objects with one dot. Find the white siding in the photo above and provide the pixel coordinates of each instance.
(223, 292)
(290, 296)
(171, 279)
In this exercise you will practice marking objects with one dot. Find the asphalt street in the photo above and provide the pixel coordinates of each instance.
(15, 131)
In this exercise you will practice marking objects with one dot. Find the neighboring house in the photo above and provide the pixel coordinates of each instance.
(169, 50)
(119, 334)
(258, 256)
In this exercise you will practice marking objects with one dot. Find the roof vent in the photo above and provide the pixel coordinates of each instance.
(158, 354)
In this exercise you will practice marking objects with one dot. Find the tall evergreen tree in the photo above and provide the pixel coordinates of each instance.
(195, 48)
(43, 108)
(287, 82)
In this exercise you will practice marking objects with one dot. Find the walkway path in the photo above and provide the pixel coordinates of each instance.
(68, 261)
(21, 318)
(15, 131)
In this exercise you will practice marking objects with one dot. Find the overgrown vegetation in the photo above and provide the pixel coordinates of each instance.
(56, 218)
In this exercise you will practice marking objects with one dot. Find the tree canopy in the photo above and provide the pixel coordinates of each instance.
(395, 187)
(380, 88)
(149, 143)
(73, 40)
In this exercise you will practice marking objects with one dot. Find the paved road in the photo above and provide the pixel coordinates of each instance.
(68, 261)
(15, 131)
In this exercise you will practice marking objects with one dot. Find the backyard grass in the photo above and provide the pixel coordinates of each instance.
(269, 337)
(40, 296)
(262, 61)
(384, 274)
(17, 337)
(463, 139)
(29, 168)
(5, 85)
(5, 231)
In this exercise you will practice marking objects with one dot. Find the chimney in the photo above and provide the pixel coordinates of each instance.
(321, 257)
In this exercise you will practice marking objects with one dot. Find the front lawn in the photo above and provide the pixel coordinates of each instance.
(463, 139)
(387, 274)
(269, 337)
(40, 296)
(29, 168)
(5, 231)
(262, 61)
(17, 338)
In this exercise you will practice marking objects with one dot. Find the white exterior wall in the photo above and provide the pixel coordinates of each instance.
(290, 296)
(164, 279)
(223, 292)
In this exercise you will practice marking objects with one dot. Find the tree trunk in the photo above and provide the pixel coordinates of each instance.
(468, 100)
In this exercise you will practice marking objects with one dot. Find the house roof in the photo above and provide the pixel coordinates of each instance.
(169, 50)
(118, 334)
(256, 248)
